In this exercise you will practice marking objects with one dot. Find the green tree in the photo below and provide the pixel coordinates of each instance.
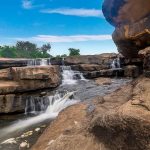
(26, 46)
(74, 52)
(46, 48)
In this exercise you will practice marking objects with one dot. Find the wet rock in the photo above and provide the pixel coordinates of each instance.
(10, 141)
(12, 103)
(78, 136)
(103, 81)
(24, 145)
(29, 133)
(37, 129)
(104, 73)
(43, 93)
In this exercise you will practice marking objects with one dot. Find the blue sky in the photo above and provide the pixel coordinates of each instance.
(64, 23)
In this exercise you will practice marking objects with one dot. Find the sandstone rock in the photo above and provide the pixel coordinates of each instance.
(5, 74)
(132, 31)
(127, 126)
(145, 54)
(131, 71)
(12, 103)
(65, 134)
(103, 59)
(104, 73)
(25, 79)
(30, 79)
(103, 81)
(7, 63)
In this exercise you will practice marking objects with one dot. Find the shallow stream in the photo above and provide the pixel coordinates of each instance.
(28, 127)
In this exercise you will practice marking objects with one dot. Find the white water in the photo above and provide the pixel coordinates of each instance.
(116, 64)
(57, 104)
(39, 62)
(70, 76)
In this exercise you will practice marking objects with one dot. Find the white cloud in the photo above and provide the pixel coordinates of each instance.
(26, 4)
(66, 39)
(75, 12)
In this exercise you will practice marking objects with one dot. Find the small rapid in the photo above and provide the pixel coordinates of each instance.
(39, 62)
(69, 76)
(53, 106)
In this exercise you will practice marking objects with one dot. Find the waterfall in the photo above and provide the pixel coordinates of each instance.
(116, 64)
(36, 105)
(70, 76)
(55, 104)
(39, 62)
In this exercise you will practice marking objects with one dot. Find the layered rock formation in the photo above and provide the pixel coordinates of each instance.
(131, 20)
(120, 120)
(17, 80)
(6, 63)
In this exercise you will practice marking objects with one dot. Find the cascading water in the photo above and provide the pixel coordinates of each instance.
(70, 76)
(39, 62)
(116, 64)
(35, 105)
(51, 106)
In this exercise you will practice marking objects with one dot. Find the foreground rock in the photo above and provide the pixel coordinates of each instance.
(16, 81)
(131, 19)
(120, 120)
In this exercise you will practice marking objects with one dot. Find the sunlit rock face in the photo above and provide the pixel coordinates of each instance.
(131, 19)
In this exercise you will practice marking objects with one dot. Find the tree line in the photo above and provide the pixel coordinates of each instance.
(26, 49)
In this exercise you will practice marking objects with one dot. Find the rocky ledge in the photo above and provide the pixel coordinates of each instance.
(16, 81)
(120, 120)
(131, 20)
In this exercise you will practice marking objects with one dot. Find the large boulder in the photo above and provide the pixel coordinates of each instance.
(15, 82)
(30, 79)
(128, 126)
(131, 19)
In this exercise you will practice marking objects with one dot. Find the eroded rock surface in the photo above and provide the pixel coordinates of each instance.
(131, 20)
(16, 81)
(116, 121)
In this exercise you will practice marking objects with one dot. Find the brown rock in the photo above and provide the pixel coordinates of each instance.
(126, 126)
(70, 130)
(88, 67)
(131, 19)
(5, 74)
(9, 62)
(131, 71)
(12, 103)
(116, 124)
(102, 59)
(103, 81)
(30, 79)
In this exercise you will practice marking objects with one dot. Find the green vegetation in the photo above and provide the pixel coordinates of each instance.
(74, 52)
(25, 50)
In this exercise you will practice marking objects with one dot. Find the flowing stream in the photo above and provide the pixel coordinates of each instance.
(39, 62)
(40, 111)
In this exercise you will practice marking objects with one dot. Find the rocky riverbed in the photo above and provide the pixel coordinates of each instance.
(15, 131)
